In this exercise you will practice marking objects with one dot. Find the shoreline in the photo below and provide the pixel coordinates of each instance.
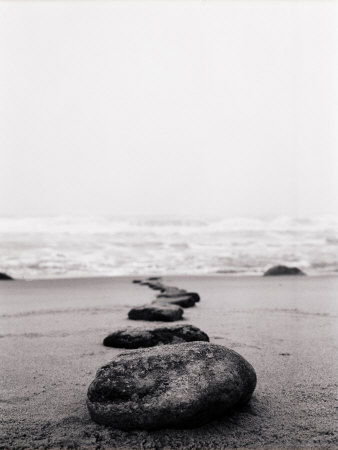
(286, 327)
(173, 276)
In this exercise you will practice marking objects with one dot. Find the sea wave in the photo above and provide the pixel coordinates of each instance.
(66, 246)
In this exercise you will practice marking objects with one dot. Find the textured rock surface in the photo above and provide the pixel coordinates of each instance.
(4, 276)
(139, 337)
(175, 386)
(283, 270)
(184, 300)
(159, 312)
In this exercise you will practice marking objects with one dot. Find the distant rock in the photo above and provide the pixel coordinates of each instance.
(156, 285)
(283, 270)
(149, 337)
(158, 312)
(180, 293)
(186, 301)
(174, 386)
(4, 276)
(172, 291)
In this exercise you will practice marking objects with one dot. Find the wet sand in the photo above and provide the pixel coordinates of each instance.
(51, 336)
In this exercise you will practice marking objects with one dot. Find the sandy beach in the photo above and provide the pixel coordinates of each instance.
(51, 347)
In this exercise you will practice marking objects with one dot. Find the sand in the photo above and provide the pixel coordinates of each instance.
(51, 346)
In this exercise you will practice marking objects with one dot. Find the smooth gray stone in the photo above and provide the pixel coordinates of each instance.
(283, 270)
(149, 337)
(158, 312)
(185, 301)
(170, 386)
(180, 293)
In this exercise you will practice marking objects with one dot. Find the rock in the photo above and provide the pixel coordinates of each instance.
(156, 285)
(174, 386)
(159, 312)
(149, 337)
(185, 301)
(4, 276)
(137, 281)
(194, 296)
(283, 270)
(171, 290)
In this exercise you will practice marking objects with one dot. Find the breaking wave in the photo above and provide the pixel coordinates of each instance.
(64, 247)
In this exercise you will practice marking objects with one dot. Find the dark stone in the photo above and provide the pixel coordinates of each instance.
(283, 270)
(158, 312)
(137, 281)
(173, 386)
(172, 291)
(4, 276)
(156, 285)
(168, 294)
(149, 337)
(186, 301)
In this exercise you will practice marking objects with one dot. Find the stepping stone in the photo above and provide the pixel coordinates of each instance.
(172, 290)
(149, 337)
(170, 386)
(193, 295)
(283, 270)
(158, 312)
(185, 301)
(156, 285)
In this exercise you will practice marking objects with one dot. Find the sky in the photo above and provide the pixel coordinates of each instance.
(222, 108)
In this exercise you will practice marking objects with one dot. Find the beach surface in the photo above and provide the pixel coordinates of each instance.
(51, 334)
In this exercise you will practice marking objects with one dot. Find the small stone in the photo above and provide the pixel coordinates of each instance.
(4, 276)
(156, 285)
(164, 313)
(283, 270)
(172, 291)
(149, 337)
(174, 386)
(194, 296)
(185, 301)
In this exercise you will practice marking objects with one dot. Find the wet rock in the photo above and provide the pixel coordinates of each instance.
(174, 386)
(168, 294)
(4, 276)
(185, 301)
(149, 337)
(158, 312)
(283, 270)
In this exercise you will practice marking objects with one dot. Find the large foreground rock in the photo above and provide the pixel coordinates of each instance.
(139, 337)
(283, 270)
(164, 313)
(4, 276)
(174, 386)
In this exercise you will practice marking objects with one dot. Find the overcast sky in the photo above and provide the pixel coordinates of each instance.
(195, 108)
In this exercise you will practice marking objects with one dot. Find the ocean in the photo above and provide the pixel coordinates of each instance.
(34, 248)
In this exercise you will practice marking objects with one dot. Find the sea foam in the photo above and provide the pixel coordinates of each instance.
(64, 247)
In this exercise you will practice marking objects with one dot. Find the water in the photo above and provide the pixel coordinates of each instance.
(63, 247)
